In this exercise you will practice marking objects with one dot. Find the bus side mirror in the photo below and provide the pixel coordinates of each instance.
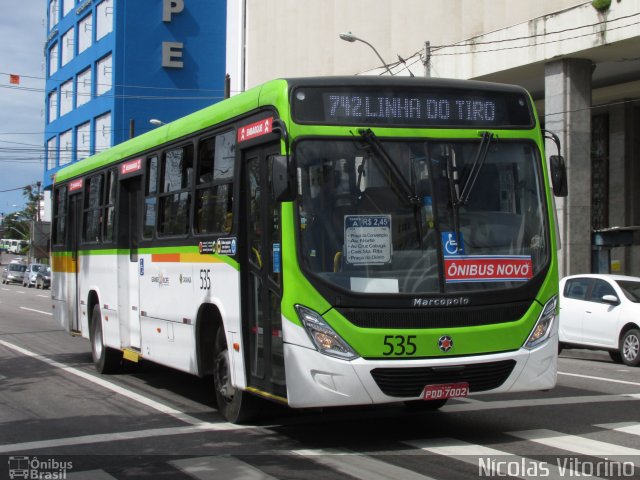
(281, 184)
(558, 176)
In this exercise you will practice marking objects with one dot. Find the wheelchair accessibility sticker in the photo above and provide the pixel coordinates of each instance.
(451, 244)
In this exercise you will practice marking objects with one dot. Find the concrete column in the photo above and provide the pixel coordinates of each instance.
(619, 190)
(568, 115)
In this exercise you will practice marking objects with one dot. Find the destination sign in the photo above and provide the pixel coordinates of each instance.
(429, 108)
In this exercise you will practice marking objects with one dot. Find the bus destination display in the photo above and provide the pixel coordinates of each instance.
(441, 108)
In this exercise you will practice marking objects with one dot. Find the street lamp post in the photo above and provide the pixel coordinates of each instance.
(350, 37)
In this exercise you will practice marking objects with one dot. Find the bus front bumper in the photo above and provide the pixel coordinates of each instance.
(317, 380)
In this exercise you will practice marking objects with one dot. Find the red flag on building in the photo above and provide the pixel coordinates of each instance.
(14, 79)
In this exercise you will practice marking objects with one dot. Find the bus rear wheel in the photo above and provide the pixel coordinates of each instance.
(234, 405)
(107, 360)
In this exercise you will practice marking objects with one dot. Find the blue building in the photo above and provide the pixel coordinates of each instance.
(112, 65)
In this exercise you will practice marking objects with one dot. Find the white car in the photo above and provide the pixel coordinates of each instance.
(601, 312)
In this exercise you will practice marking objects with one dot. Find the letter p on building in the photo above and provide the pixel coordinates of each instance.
(169, 7)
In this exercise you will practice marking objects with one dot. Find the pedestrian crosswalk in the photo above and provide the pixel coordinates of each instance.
(549, 454)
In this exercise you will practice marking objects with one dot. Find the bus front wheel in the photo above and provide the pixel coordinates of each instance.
(106, 360)
(234, 405)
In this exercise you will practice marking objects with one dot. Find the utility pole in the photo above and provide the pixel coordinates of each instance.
(427, 59)
(38, 184)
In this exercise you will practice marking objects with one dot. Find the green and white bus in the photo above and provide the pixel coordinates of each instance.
(322, 242)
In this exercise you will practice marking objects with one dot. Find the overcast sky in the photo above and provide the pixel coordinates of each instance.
(21, 106)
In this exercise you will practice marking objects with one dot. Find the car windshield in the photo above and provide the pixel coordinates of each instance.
(14, 267)
(631, 289)
(381, 216)
(36, 268)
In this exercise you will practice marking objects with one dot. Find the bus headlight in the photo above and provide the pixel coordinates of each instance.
(542, 329)
(325, 339)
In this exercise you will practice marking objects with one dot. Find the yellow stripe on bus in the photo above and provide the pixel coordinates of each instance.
(63, 263)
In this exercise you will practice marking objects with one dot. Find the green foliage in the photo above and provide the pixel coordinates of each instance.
(601, 5)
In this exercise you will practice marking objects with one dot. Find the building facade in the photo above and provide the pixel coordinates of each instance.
(580, 63)
(113, 65)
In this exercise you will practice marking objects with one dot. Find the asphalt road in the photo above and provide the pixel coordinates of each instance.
(58, 417)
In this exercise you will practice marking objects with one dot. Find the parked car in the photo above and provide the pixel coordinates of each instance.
(13, 273)
(601, 312)
(30, 274)
(43, 278)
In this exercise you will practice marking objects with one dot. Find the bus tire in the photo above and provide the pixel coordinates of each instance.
(424, 405)
(107, 360)
(630, 347)
(236, 406)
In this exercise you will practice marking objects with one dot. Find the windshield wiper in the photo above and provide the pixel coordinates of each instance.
(398, 181)
(481, 155)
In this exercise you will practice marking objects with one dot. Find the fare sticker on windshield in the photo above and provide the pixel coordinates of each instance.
(487, 268)
(367, 239)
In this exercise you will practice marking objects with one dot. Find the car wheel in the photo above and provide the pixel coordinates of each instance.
(630, 347)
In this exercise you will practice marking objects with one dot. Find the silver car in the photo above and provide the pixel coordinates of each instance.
(31, 273)
(14, 273)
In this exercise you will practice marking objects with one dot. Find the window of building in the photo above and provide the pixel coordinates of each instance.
(83, 87)
(175, 199)
(52, 106)
(66, 148)
(103, 75)
(67, 6)
(66, 97)
(59, 215)
(52, 150)
(103, 132)
(54, 13)
(53, 59)
(68, 46)
(214, 192)
(83, 141)
(104, 19)
(85, 28)
(92, 208)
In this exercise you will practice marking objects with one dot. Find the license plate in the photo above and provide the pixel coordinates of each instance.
(445, 390)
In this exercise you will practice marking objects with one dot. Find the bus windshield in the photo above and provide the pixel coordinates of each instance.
(421, 217)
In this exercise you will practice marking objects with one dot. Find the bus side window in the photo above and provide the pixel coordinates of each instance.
(175, 197)
(92, 208)
(150, 200)
(214, 189)
(59, 215)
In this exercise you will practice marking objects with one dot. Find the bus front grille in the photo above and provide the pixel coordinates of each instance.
(435, 317)
(409, 382)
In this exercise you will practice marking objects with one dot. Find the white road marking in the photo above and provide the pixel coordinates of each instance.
(177, 414)
(89, 475)
(37, 311)
(490, 459)
(359, 465)
(577, 444)
(206, 468)
(537, 402)
(44, 296)
(111, 437)
(602, 379)
(632, 428)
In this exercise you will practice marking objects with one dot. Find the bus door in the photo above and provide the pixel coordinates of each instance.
(75, 232)
(261, 273)
(128, 264)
